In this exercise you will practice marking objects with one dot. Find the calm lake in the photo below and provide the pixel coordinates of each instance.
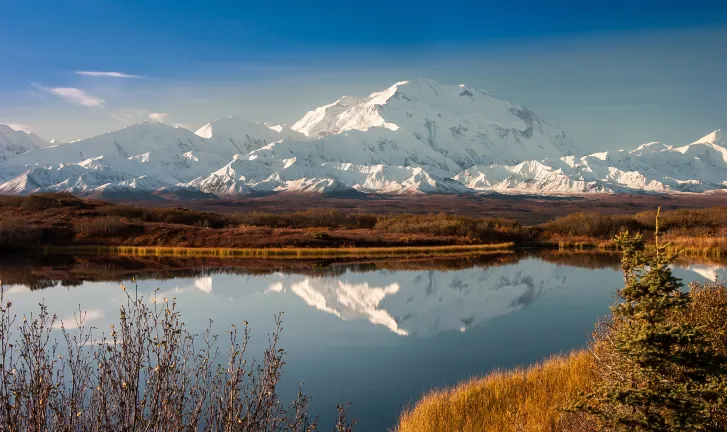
(375, 334)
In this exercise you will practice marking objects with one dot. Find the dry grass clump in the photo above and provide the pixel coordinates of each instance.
(709, 246)
(520, 400)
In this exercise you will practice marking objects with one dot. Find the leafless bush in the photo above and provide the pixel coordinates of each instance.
(148, 374)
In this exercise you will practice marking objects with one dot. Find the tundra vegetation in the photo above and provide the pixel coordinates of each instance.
(62, 220)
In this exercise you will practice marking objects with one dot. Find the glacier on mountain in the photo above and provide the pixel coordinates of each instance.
(414, 137)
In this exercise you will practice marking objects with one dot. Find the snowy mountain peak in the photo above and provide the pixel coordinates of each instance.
(14, 142)
(321, 121)
(226, 125)
(246, 135)
(716, 138)
(466, 124)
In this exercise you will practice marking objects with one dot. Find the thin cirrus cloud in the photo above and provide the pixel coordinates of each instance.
(107, 74)
(73, 95)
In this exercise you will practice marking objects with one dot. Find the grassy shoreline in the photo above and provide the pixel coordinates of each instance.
(716, 252)
(292, 253)
(529, 398)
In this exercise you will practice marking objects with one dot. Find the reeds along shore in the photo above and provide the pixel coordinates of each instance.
(55, 220)
(374, 252)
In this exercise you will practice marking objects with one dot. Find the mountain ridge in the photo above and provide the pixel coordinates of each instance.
(414, 137)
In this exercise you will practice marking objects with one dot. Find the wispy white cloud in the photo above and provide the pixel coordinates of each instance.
(107, 74)
(77, 96)
(73, 95)
(130, 115)
(158, 117)
(136, 115)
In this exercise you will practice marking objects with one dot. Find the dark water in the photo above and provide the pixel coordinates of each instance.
(376, 334)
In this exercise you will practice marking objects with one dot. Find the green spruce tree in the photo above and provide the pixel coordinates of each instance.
(655, 374)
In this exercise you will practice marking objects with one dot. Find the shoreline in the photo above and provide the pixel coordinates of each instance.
(292, 253)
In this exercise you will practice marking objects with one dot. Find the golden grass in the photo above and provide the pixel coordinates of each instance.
(521, 400)
(577, 243)
(293, 253)
(715, 247)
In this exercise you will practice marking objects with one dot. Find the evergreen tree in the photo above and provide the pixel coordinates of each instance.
(656, 374)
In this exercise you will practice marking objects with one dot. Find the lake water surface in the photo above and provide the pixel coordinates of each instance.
(373, 334)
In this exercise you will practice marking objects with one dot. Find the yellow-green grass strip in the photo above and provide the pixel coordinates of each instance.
(292, 253)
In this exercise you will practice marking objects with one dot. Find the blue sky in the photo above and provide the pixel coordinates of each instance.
(613, 74)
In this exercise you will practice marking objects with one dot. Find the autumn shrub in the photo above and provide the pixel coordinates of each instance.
(479, 229)
(43, 201)
(109, 226)
(708, 311)
(590, 225)
(318, 218)
(684, 218)
(18, 233)
(11, 201)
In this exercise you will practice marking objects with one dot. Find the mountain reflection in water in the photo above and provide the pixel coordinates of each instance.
(417, 298)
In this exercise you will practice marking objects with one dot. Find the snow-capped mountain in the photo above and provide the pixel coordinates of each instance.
(464, 124)
(414, 137)
(14, 142)
(144, 157)
(655, 167)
